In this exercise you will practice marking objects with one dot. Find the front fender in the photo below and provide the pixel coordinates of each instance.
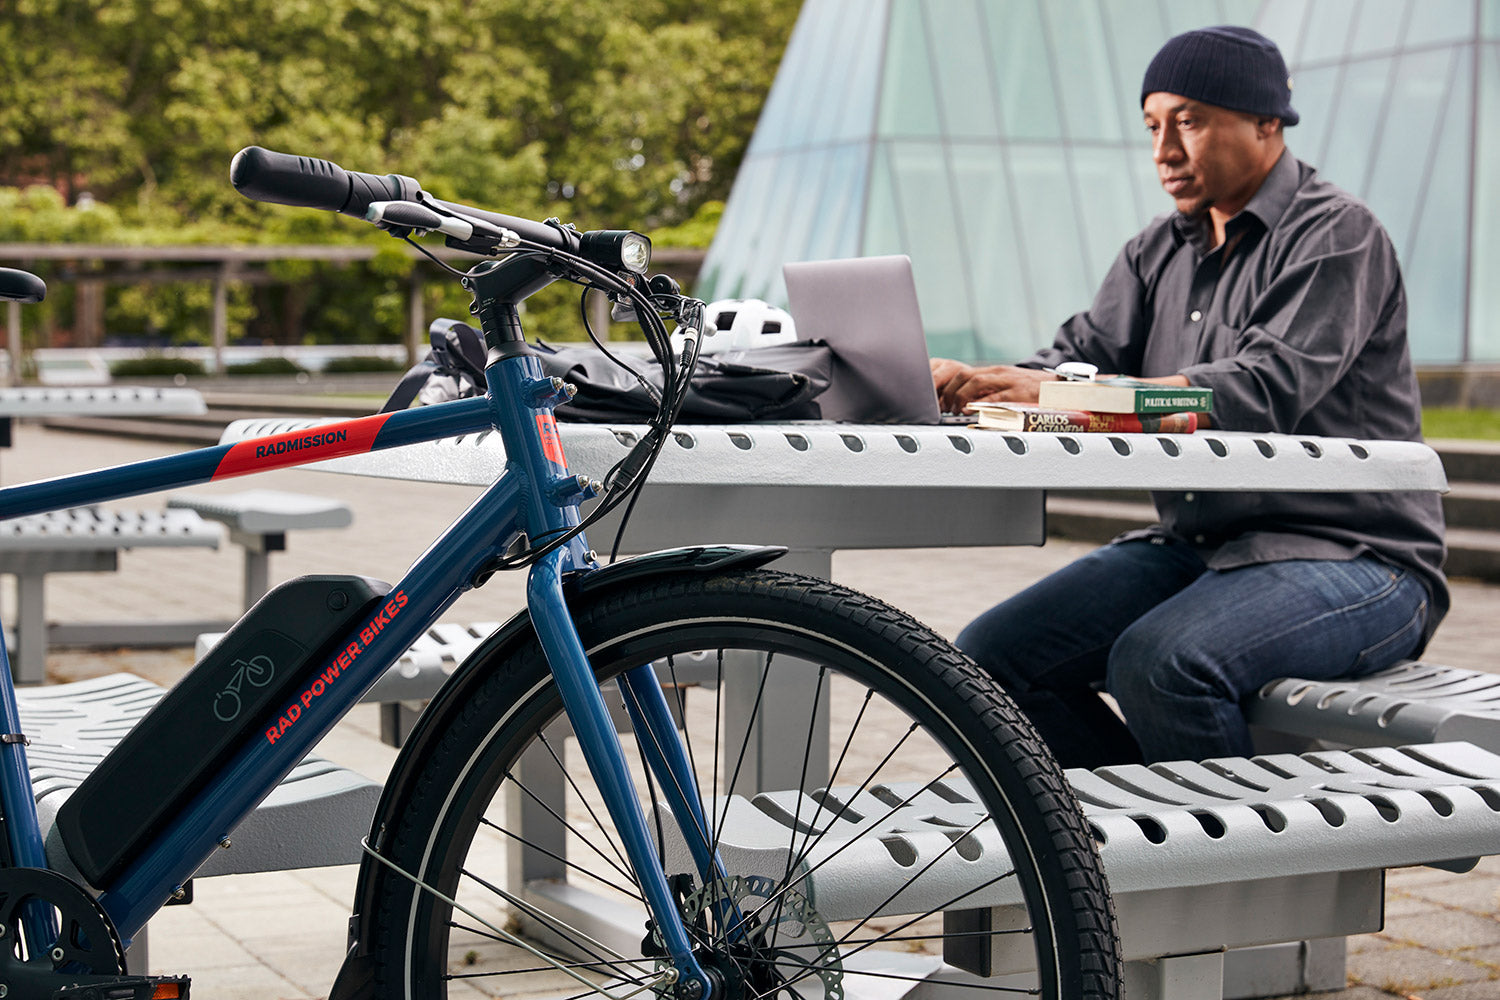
(356, 977)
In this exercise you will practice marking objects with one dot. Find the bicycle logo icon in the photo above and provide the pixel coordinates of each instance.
(257, 671)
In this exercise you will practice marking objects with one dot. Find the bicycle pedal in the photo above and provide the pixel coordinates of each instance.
(124, 988)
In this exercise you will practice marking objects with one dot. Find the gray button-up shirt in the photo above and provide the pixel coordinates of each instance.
(1298, 323)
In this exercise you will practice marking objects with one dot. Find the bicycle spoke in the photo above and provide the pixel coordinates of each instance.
(594, 948)
(602, 826)
(558, 857)
(803, 876)
(970, 985)
(557, 963)
(750, 723)
(812, 728)
(570, 828)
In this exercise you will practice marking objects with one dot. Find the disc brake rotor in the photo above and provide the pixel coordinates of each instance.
(781, 940)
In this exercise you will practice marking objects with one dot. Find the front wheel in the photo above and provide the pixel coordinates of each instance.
(886, 819)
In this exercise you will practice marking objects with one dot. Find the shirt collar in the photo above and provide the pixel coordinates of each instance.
(1266, 206)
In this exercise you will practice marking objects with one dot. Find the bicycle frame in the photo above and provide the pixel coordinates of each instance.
(536, 496)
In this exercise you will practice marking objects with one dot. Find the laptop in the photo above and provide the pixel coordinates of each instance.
(865, 308)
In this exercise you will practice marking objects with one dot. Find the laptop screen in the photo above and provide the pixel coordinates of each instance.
(865, 308)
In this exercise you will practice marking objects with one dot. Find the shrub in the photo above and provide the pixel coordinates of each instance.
(345, 366)
(155, 365)
(264, 366)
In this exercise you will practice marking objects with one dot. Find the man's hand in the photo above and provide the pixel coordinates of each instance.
(958, 384)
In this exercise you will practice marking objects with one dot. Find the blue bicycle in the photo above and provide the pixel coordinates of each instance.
(787, 788)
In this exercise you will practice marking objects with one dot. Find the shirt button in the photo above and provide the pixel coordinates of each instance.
(1199, 539)
(1195, 315)
(1189, 497)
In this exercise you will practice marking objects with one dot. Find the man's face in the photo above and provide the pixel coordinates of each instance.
(1205, 155)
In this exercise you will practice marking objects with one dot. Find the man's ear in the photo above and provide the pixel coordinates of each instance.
(1266, 127)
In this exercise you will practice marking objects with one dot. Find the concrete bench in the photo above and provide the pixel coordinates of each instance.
(315, 817)
(258, 521)
(1412, 702)
(1201, 858)
(88, 539)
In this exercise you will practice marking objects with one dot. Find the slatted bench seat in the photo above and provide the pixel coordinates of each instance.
(311, 819)
(1412, 702)
(315, 817)
(1200, 858)
(88, 539)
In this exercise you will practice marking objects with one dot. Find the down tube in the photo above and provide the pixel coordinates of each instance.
(432, 583)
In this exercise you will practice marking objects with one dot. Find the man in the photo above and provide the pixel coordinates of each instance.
(1281, 293)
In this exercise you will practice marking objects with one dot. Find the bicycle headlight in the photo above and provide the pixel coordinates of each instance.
(617, 249)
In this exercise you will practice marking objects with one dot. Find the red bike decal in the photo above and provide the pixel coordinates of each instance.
(348, 437)
(340, 662)
(552, 447)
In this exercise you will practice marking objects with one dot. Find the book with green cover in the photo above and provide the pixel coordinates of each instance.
(1125, 395)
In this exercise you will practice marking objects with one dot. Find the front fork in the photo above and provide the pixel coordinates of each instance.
(606, 761)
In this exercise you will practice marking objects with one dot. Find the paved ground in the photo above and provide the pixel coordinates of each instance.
(282, 935)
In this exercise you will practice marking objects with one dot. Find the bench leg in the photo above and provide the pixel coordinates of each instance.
(258, 549)
(1177, 977)
(28, 661)
(137, 957)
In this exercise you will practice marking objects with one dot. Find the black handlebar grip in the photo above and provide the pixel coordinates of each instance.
(21, 286)
(306, 182)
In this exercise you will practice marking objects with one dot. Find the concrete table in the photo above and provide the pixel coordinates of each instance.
(819, 487)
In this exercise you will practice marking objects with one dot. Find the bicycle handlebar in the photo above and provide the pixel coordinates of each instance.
(307, 182)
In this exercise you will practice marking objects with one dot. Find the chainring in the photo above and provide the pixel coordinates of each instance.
(754, 962)
(87, 942)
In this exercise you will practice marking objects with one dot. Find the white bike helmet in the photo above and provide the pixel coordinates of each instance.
(740, 324)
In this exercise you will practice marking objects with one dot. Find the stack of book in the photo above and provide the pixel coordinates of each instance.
(1116, 405)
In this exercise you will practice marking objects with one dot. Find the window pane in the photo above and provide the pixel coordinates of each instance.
(1424, 82)
(1489, 20)
(1312, 96)
(1103, 181)
(844, 79)
(1377, 27)
(833, 229)
(1049, 232)
(767, 245)
(724, 265)
(782, 115)
(963, 71)
(1085, 85)
(1028, 104)
(1354, 123)
(908, 101)
(1327, 32)
(997, 271)
(882, 231)
(1435, 271)
(1484, 296)
(864, 23)
(930, 222)
(1281, 21)
(1185, 15)
(1440, 21)
(1135, 32)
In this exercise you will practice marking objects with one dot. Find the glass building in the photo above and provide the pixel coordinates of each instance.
(999, 143)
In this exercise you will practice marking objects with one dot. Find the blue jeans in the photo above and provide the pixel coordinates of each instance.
(1179, 645)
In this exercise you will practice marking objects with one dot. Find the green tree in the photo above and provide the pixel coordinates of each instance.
(602, 114)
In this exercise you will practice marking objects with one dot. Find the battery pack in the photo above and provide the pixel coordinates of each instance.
(227, 698)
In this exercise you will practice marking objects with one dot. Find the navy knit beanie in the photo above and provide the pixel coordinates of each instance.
(1227, 66)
